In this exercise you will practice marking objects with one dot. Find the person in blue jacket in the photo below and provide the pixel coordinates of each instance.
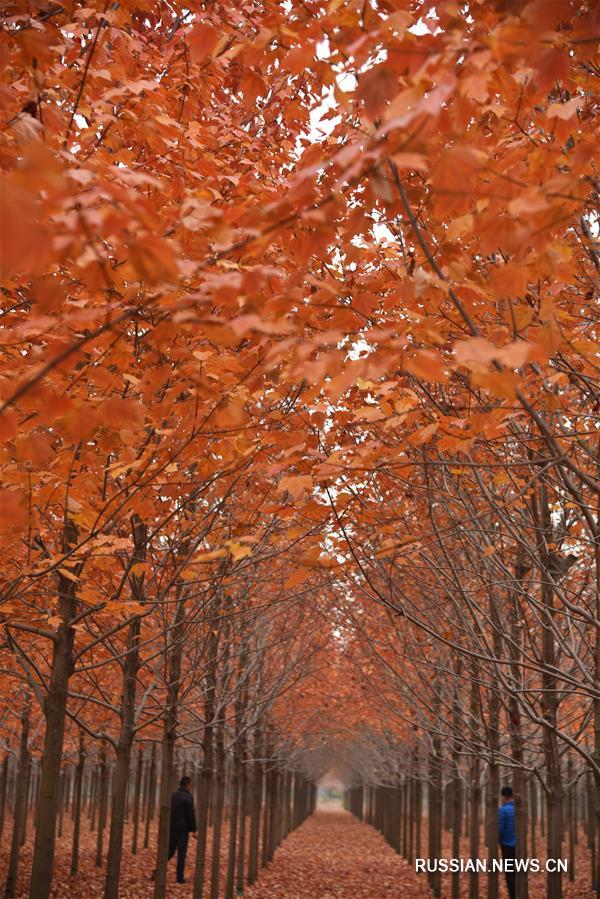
(507, 835)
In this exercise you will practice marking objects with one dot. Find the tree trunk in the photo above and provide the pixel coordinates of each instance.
(233, 827)
(62, 799)
(206, 776)
(55, 709)
(137, 796)
(533, 814)
(515, 728)
(219, 801)
(595, 827)
(435, 811)
(266, 821)
(491, 796)
(3, 786)
(474, 781)
(127, 727)
(456, 784)
(77, 806)
(151, 796)
(102, 799)
(549, 703)
(29, 804)
(241, 860)
(572, 821)
(255, 811)
(20, 806)
(493, 784)
(168, 747)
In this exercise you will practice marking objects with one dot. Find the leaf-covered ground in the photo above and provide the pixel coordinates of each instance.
(331, 856)
(334, 856)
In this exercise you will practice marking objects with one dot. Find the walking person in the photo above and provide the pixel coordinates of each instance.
(507, 837)
(183, 822)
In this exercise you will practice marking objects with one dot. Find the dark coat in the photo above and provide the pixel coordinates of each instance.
(183, 817)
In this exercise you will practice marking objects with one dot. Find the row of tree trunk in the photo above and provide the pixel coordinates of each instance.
(248, 804)
(469, 812)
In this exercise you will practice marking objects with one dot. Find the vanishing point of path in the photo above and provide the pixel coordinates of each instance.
(334, 856)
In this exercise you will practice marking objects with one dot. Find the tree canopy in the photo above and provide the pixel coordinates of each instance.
(300, 374)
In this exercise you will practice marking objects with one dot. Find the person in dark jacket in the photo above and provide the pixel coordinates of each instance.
(183, 822)
(507, 836)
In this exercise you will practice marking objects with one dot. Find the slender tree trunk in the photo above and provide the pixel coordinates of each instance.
(20, 806)
(266, 821)
(151, 797)
(168, 746)
(572, 821)
(127, 726)
(241, 860)
(549, 704)
(256, 807)
(233, 827)
(475, 781)
(3, 786)
(273, 817)
(29, 804)
(77, 806)
(418, 816)
(62, 798)
(137, 796)
(435, 810)
(94, 799)
(102, 799)
(595, 828)
(206, 776)
(533, 815)
(516, 730)
(55, 710)
(474, 822)
(493, 784)
(492, 791)
(456, 784)
(235, 879)
(219, 801)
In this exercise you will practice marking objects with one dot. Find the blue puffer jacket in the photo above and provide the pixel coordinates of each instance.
(507, 835)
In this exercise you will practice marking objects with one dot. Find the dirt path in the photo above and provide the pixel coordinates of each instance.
(334, 856)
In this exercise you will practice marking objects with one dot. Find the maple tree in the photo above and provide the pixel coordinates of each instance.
(300, 437)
